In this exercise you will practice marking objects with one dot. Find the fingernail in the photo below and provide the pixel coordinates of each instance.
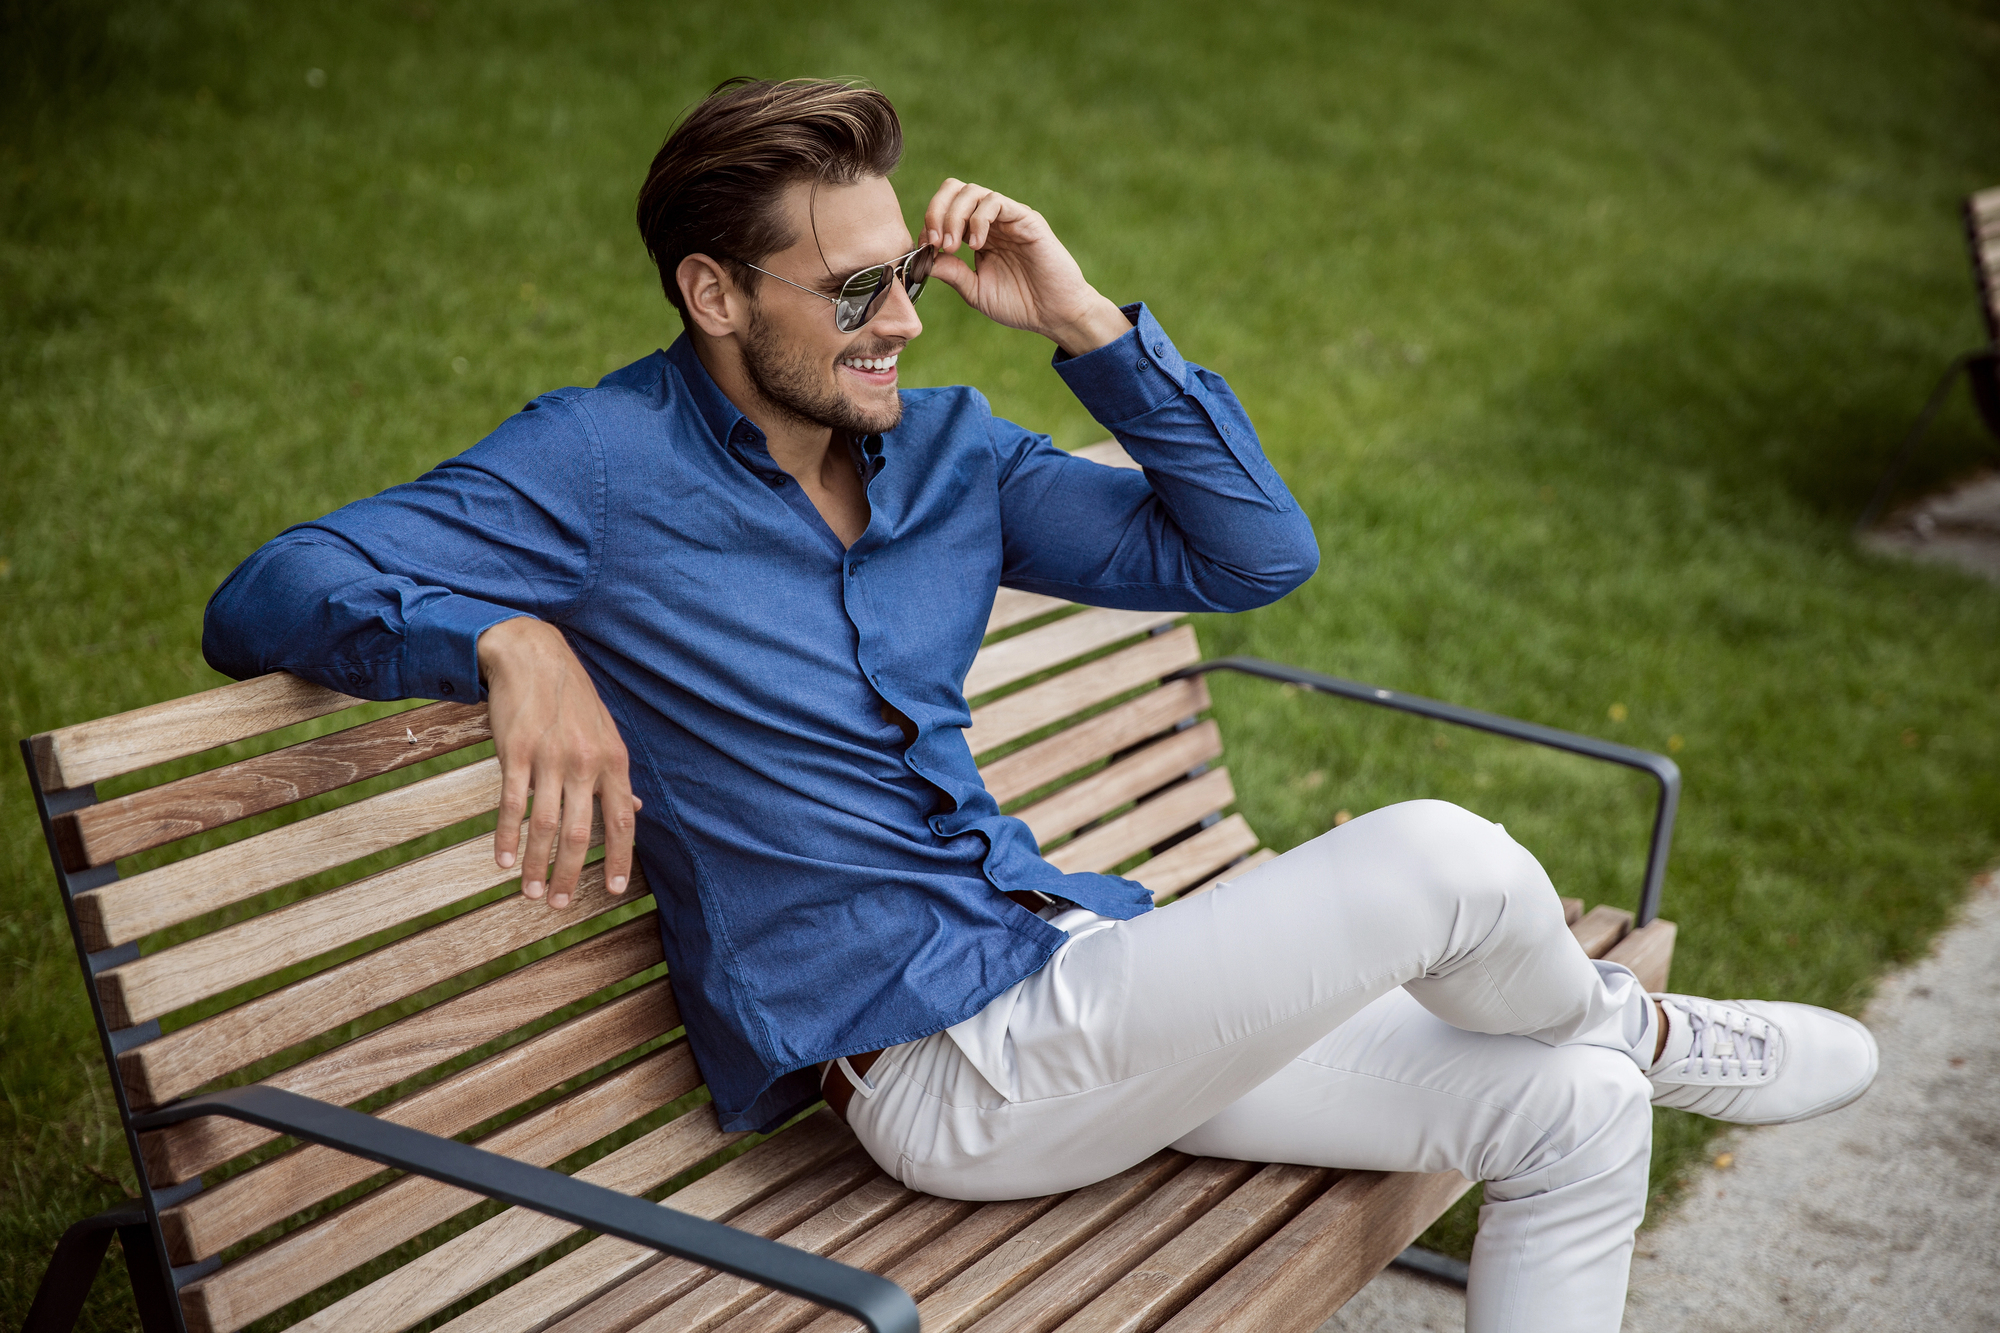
(618, 884)
(533, 888)
(506, 860)
(560, 900)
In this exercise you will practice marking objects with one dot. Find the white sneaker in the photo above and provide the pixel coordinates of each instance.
(1760, 1062)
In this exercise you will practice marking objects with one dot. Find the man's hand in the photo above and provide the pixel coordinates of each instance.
(554, 738)
(1025, 278)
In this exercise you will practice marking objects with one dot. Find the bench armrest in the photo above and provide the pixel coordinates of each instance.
(1663, 770)
(877, 1302)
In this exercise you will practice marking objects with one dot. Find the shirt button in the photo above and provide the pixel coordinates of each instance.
(354, 678)
(937, 824)
(444, 687)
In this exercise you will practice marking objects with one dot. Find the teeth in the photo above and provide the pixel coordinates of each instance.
(870, 362)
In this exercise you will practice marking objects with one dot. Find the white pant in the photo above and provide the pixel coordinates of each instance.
(1399, 994)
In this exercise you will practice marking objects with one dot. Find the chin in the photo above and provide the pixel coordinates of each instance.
(877, 415)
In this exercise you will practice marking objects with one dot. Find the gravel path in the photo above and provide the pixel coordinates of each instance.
(1883, 1217)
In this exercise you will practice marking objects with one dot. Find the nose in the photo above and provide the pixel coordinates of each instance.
(896, 317)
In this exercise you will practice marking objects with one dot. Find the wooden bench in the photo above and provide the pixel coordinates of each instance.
(358, 948)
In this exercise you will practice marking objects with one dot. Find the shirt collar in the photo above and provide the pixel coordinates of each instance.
(724, 421)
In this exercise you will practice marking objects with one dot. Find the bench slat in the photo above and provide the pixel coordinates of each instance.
(1600, 928)
(1243, 867)
(1154, 820)
(1012, 607)
(1167, 1280)
(1113, 1252)
(944, 1256)
(210, 964)
(880, 1249)
(126, 742)
(1122, 783)
(725, 1296)
(268, 1193)
(1023, 655)
(661, 1285)
(281, 1271)
(411, 1045)
(1294, 1281)
(1196, 859)
(1092, 739)
(1031, 709)
(100, 834)
(470, 1261)
(1648, 951)
(185, 1059)
(156, 899)
(1108, 452)
(1036, 1248)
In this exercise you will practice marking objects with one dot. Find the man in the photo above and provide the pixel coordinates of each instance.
(731, 594)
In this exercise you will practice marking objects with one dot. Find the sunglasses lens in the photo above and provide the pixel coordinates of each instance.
(918, 271)
(858, 297)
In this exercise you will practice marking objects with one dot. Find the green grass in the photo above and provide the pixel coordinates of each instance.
(1581, 331)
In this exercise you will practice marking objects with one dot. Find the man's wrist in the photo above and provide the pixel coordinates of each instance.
(1099, 324)
(502, 643)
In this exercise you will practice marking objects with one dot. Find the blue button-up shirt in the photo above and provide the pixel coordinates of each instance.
(825, 885)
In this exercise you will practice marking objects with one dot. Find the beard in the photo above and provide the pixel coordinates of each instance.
(792, 382)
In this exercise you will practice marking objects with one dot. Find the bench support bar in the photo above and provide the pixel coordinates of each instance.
(80, 1253)
(877, 1302)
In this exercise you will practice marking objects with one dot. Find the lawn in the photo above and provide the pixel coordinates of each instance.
(1581, 331)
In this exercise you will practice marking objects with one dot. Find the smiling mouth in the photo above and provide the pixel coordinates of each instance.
(873, 365)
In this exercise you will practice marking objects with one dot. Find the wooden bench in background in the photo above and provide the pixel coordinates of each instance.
(367, 952)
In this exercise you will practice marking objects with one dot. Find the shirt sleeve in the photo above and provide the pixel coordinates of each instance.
(1206, 526)
(387, 597)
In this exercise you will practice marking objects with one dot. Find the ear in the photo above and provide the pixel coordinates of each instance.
(714, 302)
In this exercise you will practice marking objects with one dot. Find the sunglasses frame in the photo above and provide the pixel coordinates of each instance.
(863, 300)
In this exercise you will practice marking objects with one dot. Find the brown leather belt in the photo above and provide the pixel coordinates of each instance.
(838, 1089)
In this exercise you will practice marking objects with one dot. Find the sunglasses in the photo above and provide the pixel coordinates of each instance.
(862, 292)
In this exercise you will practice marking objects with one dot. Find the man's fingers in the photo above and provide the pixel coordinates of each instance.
(957, 212)
(982, 218)
(935, 210)
(543, 824)
(619, 807)
(956, 274)
(513, 807)
(574, 843)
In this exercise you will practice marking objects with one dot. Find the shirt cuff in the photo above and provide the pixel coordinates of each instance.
(441, 659)
(1129, 376)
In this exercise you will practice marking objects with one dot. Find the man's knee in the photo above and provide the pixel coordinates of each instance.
(1442, 849)
(1593, 1109)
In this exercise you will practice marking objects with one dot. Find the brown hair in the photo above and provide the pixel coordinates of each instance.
(714, 186)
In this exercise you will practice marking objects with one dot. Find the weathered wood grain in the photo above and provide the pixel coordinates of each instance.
(185, 1059)
(923, 1222)
(1147, 823)
(1648, 951)
(1572, 910)
(1121, 783)
(1196, 859)
(1113, 1252)
(573, 1281)
(245, 1204)
(156, 899)
(1021, 1258)
(1600, 928)
(100, 834)
(411, 1045)
(1037, 706)
(281, 1271)
(126, 742)
(1085, 742)
(1229, 873)
(638, 1299)
(1003, 663)
(725, 1296)
(210, 964)
(1295, 1280)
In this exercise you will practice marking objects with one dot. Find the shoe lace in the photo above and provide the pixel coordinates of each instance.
(1730, 1042)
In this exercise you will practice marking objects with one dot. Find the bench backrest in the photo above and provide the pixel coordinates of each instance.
(318, 918)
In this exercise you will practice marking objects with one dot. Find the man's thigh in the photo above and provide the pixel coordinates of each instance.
(1395, 1088)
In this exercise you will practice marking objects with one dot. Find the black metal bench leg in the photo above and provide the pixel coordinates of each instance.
(80, 1253)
